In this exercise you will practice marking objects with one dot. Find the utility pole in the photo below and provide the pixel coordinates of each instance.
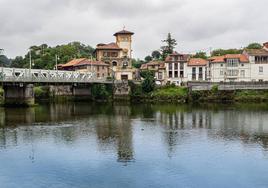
(56, 59)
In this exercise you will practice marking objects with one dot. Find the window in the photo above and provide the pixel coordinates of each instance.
(242, 73)
(260, 70)
(221, 65)
(193, 73)
(242, 64)
(160, 75)
(200, 75)
(98, 68)
(176, 74)
(114, 63)
(232, 62)
(181, 74)
(170, 66)
(221, 72)
(170, 74)
(181, 66)
(176, 66)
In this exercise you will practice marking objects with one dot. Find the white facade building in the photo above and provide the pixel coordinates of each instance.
(229, 68)
(176, 68)
(258, 59)
(197, 69)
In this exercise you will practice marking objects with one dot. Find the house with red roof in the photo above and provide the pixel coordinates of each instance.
(229, 68)
(159, 69)
(258, 60)
(197, 69)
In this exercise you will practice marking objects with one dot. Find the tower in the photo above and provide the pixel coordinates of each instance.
(124, 41)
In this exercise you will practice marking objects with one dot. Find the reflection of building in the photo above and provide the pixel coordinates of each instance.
(118, 55)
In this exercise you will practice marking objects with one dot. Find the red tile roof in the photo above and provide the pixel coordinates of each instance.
(74, 62)
(110, 46)
(124, 32)
(221, 59)
(89, 62)
(197, 62)
(185, 57)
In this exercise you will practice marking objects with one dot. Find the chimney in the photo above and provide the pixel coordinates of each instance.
(265, 46)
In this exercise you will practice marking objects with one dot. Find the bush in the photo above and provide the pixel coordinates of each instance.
(215, 89)
(99, 91)
(1, 92)
(40, 92)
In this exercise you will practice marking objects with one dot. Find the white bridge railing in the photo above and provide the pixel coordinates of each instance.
(46, 76)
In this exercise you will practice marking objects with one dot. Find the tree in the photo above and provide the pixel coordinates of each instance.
(254, 46)
(201, 54)
(156, 54)
(148, 58)
(137, 63)
(148, 84)
(169, 46)
(220, 52)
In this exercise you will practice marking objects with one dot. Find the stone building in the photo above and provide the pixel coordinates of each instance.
(159, 70)
(118, 56)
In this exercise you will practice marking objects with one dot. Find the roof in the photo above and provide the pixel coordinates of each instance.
(124, 32)
(110, 46)
(89, 62)
(185, 56)
(74, 62)
(256, 52)
(153, 63)
(221, 59)
(197, 62)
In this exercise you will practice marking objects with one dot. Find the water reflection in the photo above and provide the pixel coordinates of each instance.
(113, 124)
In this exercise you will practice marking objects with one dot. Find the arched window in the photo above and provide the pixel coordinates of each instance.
(114, 63)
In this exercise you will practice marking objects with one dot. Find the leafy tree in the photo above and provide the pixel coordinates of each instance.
(254, 46)
(99, 91)
(156, 54)
(43, 56)
(169, 46)
(220, 52)
(148, 84)
(201, 54)
(136, 63)
(148, 58)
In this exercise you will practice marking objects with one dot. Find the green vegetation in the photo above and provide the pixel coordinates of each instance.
(220, 52)
(148, 84)
(251, 95)
(254, 46)
(170, 93)
(41, 92)
(100, 92)
(201, 54)
(44, 57)
(169, 46)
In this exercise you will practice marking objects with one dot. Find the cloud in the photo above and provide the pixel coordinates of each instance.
(196, 25)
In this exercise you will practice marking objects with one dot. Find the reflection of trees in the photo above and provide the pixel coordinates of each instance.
(117, 129)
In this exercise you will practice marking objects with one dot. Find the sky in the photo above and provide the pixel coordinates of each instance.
(195, 24)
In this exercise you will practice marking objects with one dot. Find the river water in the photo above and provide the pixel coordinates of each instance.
(122, 145)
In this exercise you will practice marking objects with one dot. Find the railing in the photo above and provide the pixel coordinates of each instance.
(47, 76)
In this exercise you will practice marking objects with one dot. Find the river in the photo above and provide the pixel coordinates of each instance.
(143, 145)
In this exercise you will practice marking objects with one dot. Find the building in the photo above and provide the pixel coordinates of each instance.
(229, 68)
(176, 68)
(258, 59)
(197, 69)
(159, 70)
(118, 56)
(99, 68)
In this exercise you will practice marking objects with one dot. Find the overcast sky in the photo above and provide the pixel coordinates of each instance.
(195, 24)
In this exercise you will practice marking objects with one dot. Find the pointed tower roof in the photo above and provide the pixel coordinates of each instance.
(124, 32)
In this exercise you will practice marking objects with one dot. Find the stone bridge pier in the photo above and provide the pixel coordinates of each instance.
(18, 94)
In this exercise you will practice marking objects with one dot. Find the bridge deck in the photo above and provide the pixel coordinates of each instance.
(48, 76)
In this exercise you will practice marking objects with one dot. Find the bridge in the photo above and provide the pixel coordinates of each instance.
(18, 83)
(12, 75)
